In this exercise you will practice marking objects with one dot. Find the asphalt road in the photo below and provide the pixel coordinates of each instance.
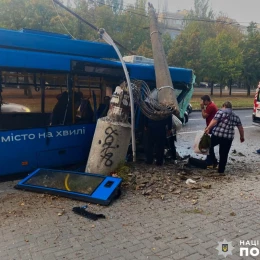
(185, 138)
(196, 122)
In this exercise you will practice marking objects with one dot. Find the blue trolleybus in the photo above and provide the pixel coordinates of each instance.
(48, 76)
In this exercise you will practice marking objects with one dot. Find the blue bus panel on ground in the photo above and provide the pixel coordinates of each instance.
(87, 187)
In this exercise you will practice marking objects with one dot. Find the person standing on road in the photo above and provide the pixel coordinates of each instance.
(222, 126)
(208, 108)
(208, 111)
(155, 132)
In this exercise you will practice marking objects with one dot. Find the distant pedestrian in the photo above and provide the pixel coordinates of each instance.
(208, 111)
(222, 126)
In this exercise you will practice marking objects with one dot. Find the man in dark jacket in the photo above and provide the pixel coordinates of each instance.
(155, 132)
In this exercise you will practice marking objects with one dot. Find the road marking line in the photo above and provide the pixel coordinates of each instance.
(195, 119)
(248, 116)
(249, 127)
(193, 132)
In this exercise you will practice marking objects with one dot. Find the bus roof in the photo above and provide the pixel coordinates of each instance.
(44, 51)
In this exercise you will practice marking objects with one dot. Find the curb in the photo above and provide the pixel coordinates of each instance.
(236, 108)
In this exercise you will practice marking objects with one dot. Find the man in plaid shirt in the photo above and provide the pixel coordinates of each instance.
(223, 133)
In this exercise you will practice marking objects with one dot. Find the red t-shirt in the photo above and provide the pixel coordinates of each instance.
(211, 110)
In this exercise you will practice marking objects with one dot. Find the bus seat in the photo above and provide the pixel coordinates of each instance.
(62, 112)
(85, 112)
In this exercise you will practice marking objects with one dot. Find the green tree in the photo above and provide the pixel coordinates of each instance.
(222, 59)
(133, 26)
(201, 10)
(251, 29)
(186, 50)
(101, 2)
(251, 59)
(167, 43)
(116, 5)
(145, 49)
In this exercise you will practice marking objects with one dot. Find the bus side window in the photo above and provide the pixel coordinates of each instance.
(85, 112)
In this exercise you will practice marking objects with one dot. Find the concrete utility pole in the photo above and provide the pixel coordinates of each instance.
(166, 95)
(112, 136)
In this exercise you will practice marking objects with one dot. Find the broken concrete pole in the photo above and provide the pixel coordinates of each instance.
(109, 147)
(166, 95)
(112, 136)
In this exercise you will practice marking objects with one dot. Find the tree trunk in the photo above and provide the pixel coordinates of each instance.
(220, 90)
(248, 88)
(27, 87)
(230, 86)
(211, 88)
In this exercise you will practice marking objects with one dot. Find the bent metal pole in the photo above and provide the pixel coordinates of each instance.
(166, 95)
(110, 41)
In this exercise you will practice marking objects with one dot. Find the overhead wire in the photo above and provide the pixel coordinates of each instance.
(171, 18)
(142, 15)
(126, 10)
(88, 23)
(128, 5)
(61, 20)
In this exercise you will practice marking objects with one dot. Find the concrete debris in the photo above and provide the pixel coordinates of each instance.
(194, 202)
(195, 186)
(190, 181)
(206, 185)
(166, 182)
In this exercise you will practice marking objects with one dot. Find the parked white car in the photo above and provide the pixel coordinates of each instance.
(12, 107)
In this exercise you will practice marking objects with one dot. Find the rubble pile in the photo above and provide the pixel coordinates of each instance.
(179, 180)
(159, 182)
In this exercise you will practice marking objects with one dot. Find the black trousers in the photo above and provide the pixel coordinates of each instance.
(224, 148)
(155, 140)
(171, 144)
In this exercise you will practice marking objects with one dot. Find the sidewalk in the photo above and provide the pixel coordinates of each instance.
(36, 226)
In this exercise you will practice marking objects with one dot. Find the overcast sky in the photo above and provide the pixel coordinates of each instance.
(241, 10)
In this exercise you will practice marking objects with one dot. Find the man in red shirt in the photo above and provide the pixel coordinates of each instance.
(208, 110)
